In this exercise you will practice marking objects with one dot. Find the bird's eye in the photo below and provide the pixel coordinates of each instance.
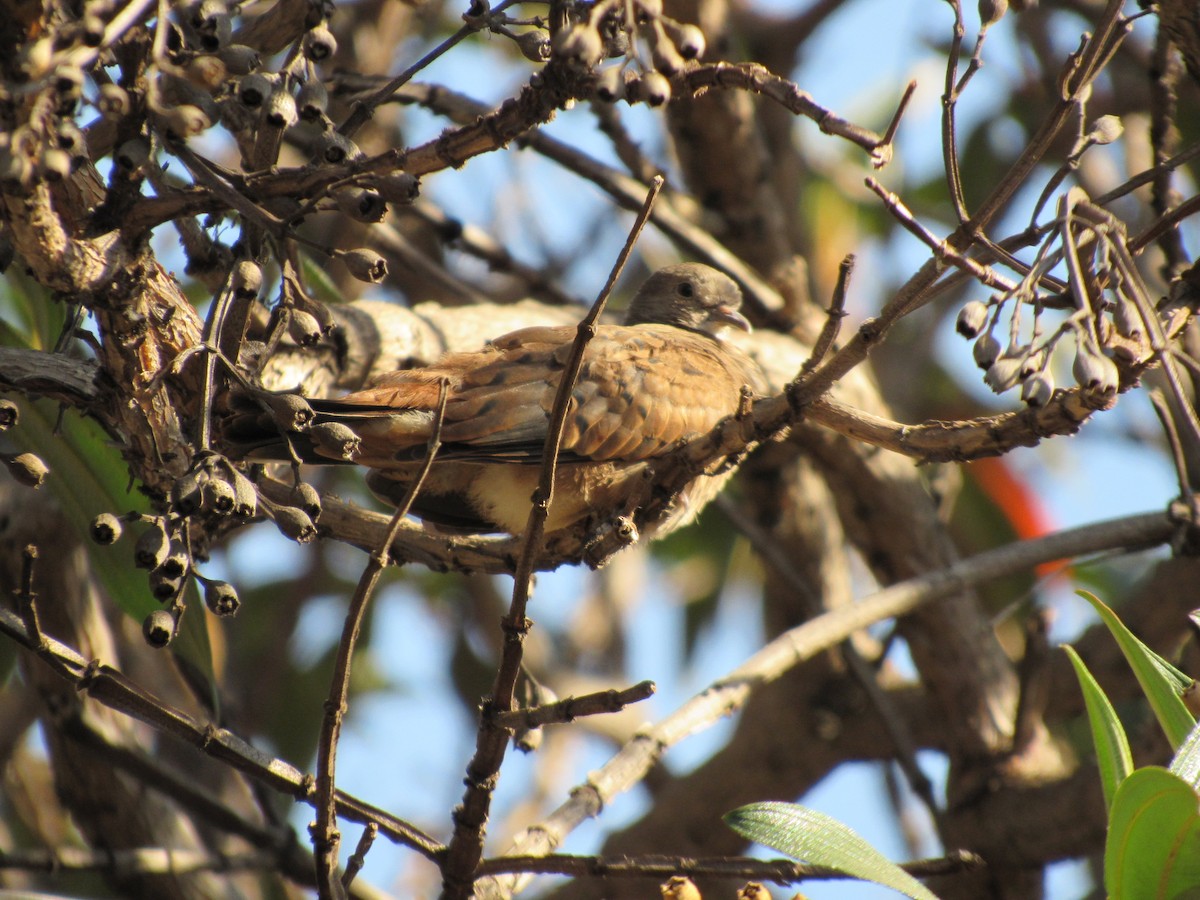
(685, 289)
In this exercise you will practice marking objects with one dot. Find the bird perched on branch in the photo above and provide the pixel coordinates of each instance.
(664, 375)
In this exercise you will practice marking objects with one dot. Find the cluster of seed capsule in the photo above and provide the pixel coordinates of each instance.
(202, 77)
(216, 489)
(1027, 363)
(607, 33)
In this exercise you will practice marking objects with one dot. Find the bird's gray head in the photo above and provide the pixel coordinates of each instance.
(689, 295)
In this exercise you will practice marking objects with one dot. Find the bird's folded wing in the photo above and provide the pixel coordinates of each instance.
(640, 390)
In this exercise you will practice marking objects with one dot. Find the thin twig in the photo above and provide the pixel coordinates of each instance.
(571, 708)
(833, 318)
(325, 836)
(466, 846)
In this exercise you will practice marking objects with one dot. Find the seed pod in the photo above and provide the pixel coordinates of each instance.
(92, 27)
(239, 59)
(656, 89)
(221, 598)
(1032, 364)
(187, 492)
(218, 496)
(991, 12)
(177, 563)
(245, 496)
(313, 100)
(70, 139)
(68, 84)
(55, 164)
(305, 497)
(361, 204)
(1003, 374)
(663, 54)
(334, 147)
(986, 351)
(246, 279)
(1094, 371)
(280, 110)
(399, 187)
(10, 414)
(158, 628)
(1128, 320)
(185, 121)
(113, 102)
(688, 39)
(1106, 129)
(365, 265)
(151, 548)
(319, 43)
(27, 469)
(335, 440)
(303, 328)
(165, 587)
(291, 412)
(207, 72)
(105, 529)
(294, 524)
(132, 155)
(580, 45)
(971, 319)
(610, 85)
(253, 89)
(1038, 390)
(534, 45)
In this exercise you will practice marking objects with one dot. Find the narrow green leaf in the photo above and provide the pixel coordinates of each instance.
(1112, 747)
(1162, 683)
(815, 838)
(1153, 848)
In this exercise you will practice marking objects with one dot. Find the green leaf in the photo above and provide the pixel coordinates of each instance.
(1153, 848)
(1162, 683)
(817, 839)
(1186, 763)
(1112, 747)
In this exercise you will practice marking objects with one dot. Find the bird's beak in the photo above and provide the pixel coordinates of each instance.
(726, 316)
